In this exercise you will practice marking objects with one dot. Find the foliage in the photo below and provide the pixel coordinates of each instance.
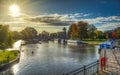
(118, 33)
(91, 31)
(99, 34)
(5, 54)
(17, 35)
(72, 33)
(28, 33)
(45, 35)
(81, 30)
(6, 37)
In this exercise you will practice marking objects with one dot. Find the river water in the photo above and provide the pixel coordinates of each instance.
(53, 59)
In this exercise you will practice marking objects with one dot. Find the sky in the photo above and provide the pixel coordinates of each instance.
(53, 15)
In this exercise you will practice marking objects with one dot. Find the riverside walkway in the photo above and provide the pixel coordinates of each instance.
(113, 61)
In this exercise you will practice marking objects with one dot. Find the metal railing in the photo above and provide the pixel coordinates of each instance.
(90, 69)
(117, 58)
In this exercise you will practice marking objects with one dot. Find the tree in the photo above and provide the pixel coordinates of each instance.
(45, 35)
(17, 35)
(29, 33)
(118, 33)
(99, 34)
(72, 33)
(6, 38)
(82, 29)
(53, 36)
(91, 31)
(113, 35)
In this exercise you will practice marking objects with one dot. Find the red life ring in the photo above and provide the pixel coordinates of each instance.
(103, 61)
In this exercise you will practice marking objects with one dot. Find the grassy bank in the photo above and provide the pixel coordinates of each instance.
(7, 56)
(94, 42)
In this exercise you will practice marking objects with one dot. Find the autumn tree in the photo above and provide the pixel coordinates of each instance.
(72, 33)
(113, 35)
(118, 33)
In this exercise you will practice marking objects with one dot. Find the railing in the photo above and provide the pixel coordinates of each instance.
(89, 69)
(117, 58)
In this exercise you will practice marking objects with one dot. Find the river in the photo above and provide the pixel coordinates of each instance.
(53, 59)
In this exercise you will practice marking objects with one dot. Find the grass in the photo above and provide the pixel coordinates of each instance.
(96, 42)
(7, 56)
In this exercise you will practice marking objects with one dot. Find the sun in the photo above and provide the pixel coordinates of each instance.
(14, 10)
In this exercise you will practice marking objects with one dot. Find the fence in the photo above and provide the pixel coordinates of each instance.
(90, 69)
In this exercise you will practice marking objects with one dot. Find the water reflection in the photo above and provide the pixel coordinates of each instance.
(53, 59)
(15, 69)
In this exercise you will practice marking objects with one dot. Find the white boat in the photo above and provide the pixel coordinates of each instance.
(74, 42)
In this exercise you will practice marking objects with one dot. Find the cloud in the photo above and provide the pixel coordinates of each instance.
(51, 20)
(101, 23)
(109, 26)
(56, 19)
(103, 19)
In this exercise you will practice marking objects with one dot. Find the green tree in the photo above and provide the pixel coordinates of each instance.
(99, 34)
(17, 35)
(29, 33)
(91, 31)
(6, 38)
(82, 29)
(45, 35)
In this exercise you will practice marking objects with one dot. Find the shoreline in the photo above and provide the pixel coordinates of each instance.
(5, 66)
(93, 42)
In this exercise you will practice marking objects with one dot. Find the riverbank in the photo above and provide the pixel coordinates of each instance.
(93, 42)
(8, 58)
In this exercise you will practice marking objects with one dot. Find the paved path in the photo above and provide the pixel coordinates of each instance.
(113, 61)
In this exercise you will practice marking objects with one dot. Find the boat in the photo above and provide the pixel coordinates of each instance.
(74, 42)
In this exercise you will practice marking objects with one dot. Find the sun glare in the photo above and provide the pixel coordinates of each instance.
(14, 10)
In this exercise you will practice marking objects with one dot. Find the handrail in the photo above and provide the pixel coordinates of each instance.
(85, 68)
